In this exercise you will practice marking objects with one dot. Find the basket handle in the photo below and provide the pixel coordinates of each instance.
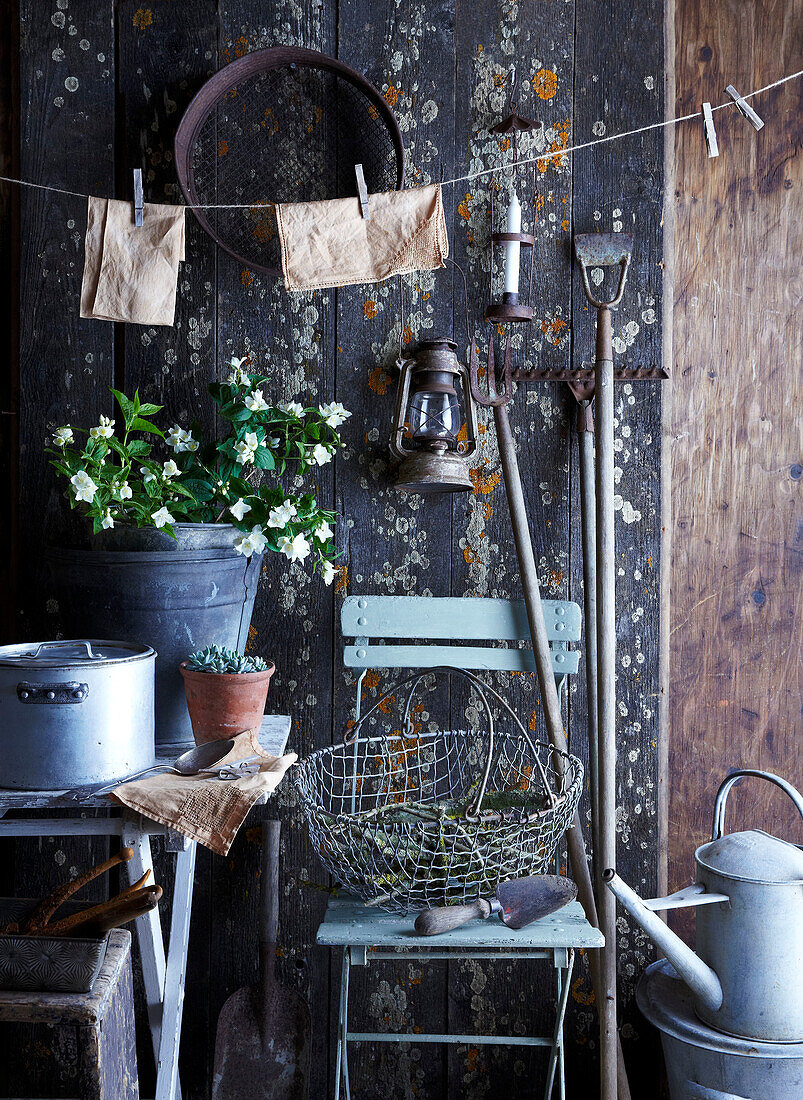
(472, 813)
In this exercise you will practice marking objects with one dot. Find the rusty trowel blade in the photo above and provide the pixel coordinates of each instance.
(602, 249)
(527, 899)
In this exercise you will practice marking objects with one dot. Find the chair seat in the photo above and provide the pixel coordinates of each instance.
(350, 923)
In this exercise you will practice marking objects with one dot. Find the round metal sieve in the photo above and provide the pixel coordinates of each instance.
(281, 125)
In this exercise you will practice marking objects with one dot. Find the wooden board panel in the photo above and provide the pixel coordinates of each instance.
(618, 187)
(291, 339)
(397, 544)
(536, 41)
(736, 431)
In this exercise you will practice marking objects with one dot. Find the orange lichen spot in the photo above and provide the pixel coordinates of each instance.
(560, 142)
(484, 483)
(487, 511)
(386, 704)
(545, 84)
(269, 123)
(565, 225)
(392, 95)
(246, 277)
(468, 556)
(254, 834)
(407, 334)
(555, 578)
(504, 144)
(373, 112)
(582, 996)
(370, 309)
(472, 1058)
(241, 46)
(143, 17)
(222, 148)
(463, 208)
(553, 329)
(252, 639)
(342, 580)
(379, 380)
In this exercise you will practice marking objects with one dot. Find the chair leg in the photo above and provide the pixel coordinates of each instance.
(556, 1054)
(341, 1057)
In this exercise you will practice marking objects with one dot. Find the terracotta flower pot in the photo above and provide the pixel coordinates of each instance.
(222, 705)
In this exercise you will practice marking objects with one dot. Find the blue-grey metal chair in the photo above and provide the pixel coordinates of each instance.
(412, 632)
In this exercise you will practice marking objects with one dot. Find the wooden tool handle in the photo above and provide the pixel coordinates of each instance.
(48, 906)
(431, 922)
(108, 914)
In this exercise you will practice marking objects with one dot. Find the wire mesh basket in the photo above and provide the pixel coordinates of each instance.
(411, 820)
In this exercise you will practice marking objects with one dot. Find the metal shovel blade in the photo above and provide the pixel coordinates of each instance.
(603, 249)
(262, 1044)
(528, 899)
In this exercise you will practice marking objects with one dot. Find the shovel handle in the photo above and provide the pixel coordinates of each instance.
(445, 918)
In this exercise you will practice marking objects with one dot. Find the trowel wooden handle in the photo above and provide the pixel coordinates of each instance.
(48, 906)
(432, 922)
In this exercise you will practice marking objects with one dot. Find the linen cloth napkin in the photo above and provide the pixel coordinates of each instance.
(207, 810)
(131, 272)
(330, 243)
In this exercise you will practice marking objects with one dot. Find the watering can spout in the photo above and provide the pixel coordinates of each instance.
(700, 978)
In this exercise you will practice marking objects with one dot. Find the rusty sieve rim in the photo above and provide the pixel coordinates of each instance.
(212, 93)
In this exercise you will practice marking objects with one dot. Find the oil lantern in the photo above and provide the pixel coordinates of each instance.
(432, 401)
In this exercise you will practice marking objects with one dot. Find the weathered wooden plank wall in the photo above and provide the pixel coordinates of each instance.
(102, 88)
(736, 429)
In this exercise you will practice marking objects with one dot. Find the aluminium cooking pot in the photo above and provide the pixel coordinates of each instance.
(75, 712)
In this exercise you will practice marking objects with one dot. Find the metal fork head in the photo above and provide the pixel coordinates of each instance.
(603, 250)
(492, 398)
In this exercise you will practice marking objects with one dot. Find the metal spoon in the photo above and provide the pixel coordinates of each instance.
(200, 759)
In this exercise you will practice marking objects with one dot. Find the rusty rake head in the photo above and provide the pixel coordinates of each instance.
(493, 397)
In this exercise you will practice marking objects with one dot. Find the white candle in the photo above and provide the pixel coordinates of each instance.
(513, 248)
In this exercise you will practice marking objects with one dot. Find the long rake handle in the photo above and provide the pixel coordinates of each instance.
(606, 685)
(549, 695)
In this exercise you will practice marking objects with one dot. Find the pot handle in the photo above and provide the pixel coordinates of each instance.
(60, 645)
(718, 828)
(693, 1091)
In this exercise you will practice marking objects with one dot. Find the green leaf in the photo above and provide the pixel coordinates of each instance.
(139, 448)
(126, 406)
(200, 490)
(140, 425)
(263, 459)
(146, 409)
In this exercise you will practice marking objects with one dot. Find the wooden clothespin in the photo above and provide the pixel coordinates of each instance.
(710, 132)
(139, 201)
(362, 191)
(744, 108)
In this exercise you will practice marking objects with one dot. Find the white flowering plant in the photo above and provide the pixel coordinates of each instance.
(117, 476)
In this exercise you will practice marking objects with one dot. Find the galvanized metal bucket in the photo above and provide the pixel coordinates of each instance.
(175, 595)
(703, 1063)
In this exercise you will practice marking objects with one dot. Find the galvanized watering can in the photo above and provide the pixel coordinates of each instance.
(747, 977)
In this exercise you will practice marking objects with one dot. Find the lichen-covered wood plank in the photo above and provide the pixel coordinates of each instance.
(619, 188)
(396, 545)
(532, 47)
(291, 339)
(67, 132)
(165, 53)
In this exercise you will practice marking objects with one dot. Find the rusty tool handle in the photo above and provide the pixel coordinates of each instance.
(48, 906)
(117, 910)
(445, 918)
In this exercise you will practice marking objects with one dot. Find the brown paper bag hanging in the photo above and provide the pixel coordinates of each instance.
(330, 244)
(131, 272)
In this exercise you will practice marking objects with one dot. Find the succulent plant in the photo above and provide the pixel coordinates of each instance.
(220, 660)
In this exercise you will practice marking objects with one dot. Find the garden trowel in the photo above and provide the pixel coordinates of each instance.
(518, 904)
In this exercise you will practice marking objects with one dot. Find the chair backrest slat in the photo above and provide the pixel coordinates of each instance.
(425, 618)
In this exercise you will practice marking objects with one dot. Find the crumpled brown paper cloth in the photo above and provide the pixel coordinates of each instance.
(207, 810)
(131, 272)
(330, 243)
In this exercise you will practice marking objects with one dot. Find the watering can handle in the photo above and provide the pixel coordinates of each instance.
(718, 828)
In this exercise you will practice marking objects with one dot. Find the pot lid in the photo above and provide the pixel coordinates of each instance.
(71, 652)
(754, 856)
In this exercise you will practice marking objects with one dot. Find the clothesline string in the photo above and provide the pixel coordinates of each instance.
(471, 175)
